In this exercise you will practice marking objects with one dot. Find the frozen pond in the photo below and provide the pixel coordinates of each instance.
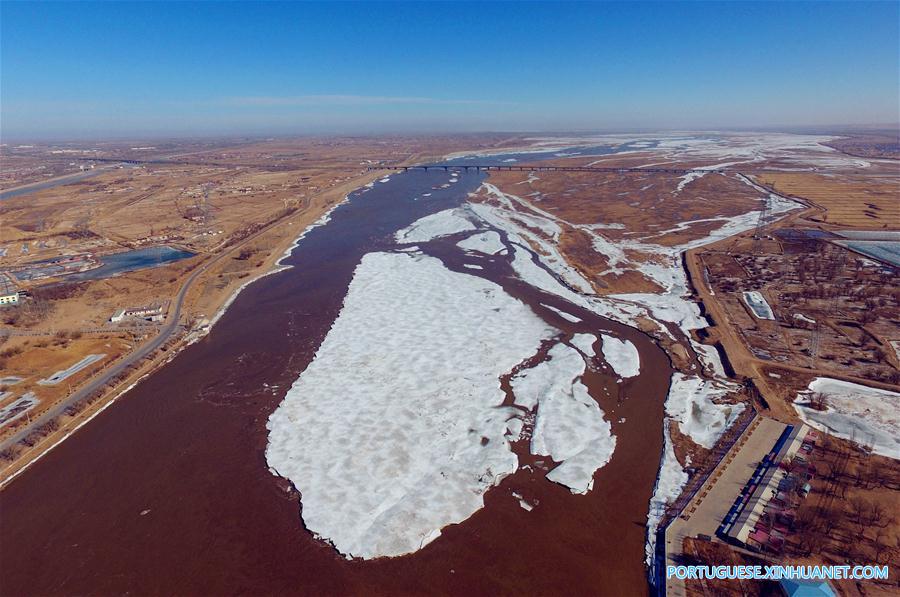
(884, 251)
(17, 408)
(758, 305)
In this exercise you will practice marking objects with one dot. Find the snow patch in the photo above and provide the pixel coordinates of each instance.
(671, 480)
(859, 413)
(687, 179)
(690, 403)
(709, 358)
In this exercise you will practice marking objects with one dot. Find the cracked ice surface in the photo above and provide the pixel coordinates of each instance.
(584, 343)
(488, 243)
(395, 429)
(570, 427)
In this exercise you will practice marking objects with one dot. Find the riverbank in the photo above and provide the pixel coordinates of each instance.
(203, 294)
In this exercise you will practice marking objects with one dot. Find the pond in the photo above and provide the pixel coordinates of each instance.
(129, 261)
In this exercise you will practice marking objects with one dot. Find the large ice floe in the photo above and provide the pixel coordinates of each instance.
(859, 413)
(584, 343)
(488, 243)
(569, 427)
(443, 223)
(622, 356)
(396, 428)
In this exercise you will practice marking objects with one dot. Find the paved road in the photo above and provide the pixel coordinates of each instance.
(103, 379)
(165, 333)
(708, 508)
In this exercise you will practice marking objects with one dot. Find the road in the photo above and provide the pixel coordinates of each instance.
(103, 379)
(706, 510)
(149, 347)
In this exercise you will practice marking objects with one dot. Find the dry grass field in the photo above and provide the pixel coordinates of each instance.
(33, 359)
(848, 306)
(863, 202)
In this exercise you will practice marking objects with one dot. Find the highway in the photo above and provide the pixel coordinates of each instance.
(165, 332)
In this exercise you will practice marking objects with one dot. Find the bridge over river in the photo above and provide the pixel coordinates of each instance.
(510, 168)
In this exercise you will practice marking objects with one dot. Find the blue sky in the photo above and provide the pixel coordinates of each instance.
(222, 68)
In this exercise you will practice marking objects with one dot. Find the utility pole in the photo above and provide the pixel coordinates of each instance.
(829, 309)
(761, 224)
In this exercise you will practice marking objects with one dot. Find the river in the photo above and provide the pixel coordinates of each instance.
(49, 184)
(168, 490)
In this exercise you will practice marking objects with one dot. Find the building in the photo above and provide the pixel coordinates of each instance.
(9, 293)
(153, 313)
(761, 516)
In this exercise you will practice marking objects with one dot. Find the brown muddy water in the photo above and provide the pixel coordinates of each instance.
(168, 490)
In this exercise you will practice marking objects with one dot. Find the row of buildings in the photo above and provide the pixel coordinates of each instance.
(762, 515)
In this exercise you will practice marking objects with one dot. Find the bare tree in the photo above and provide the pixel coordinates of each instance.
(858, 506)
(818, 401)
(877, 515)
